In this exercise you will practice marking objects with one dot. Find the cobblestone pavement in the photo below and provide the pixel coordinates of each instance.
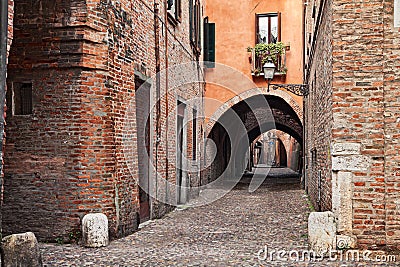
(267, 174)
(274, 171)
(229, 232)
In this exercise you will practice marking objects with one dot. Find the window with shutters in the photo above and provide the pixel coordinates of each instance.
(195, 25)
(174, 11)
(268, 28)
(268, 45)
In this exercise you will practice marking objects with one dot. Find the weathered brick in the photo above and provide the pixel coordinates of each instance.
(363, 98)
(67, 159)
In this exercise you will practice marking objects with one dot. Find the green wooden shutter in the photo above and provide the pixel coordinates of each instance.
(209, 43)
(191, 21)
(198, 25)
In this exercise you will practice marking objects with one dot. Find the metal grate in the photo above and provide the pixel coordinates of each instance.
(22, 98)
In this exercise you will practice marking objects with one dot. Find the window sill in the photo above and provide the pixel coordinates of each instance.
(172, 20)
(276, 74)
(22, 115)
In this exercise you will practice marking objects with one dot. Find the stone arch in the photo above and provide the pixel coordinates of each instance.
(250, 93)
(240, 121)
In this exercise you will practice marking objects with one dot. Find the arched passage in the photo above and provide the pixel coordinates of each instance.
(240, 125)
(248, 95)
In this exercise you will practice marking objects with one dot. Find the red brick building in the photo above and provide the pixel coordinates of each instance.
(7, 14)
(352, 117)
(76, 129)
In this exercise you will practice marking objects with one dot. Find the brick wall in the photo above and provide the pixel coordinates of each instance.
(358, 74)
(52, 174)
(9, 41)
(391, 83)
(68, 158)
(318, 108)
(363, 130)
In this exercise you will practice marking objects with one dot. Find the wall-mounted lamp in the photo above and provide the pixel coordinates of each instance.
(269, 71)
(297, 89)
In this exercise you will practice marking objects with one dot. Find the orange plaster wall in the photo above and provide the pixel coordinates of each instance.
(235, 31)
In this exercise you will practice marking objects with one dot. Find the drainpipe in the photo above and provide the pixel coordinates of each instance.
(305, 81)
(319, 191)
(158, 104)
(166, 94)
(3, 74)
(304, 148)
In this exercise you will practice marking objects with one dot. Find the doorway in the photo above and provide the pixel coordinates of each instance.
(142, 89)
(181, 181)
(281, 156)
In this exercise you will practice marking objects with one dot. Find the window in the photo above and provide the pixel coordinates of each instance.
(314, 156)
(194, 22)
(194, 134)
(174, 10)
(268, 28)
(22, 98)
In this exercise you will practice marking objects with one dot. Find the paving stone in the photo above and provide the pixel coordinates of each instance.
(228, 232)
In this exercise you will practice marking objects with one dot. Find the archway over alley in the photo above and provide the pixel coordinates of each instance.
(236, 134)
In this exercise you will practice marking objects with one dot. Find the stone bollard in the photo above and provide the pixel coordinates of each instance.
(322, 232)
(95, 230)
(21, 250)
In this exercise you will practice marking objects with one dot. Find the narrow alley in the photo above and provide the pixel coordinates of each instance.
(228, 232)
(233, 231)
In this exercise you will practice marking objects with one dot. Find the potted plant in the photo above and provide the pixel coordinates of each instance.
(273, 52)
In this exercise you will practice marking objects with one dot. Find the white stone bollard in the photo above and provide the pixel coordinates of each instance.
(322, 232)
(95, 230)
(21, 250)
